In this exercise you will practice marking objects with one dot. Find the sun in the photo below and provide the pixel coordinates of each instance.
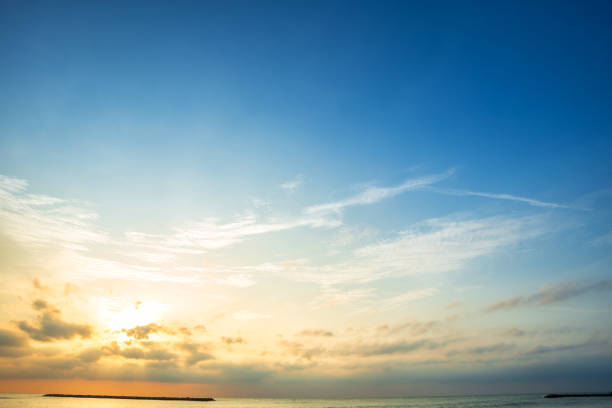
(116, 315)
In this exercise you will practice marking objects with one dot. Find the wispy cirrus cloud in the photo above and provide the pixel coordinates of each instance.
(409, 296)
(91, 267)
(333, 297)
(211, 234)
(433, 246)
(498, 196)
(411, 328)
(551, 294)
(51, 220)
(34, 219)
(565, 348)
(445, 244)
(373, 195)
(293, 184)
(386, 348)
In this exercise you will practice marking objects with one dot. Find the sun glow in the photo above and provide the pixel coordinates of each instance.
(116, 315)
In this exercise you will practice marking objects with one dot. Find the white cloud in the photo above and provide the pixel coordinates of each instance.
(502, 196)
(89, 267)
(259, 203)
(332, 297)
(292, 185)
(11, 184)
(210, 234)
(49, 220)
(348, 236)
(433, 246)
(445, 244)
(409, 296)
(373, 195)
(43, 220)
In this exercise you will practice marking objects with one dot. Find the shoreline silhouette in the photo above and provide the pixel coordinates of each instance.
(130, 397)
(578, 395)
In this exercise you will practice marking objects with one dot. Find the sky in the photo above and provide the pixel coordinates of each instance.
(289, 199)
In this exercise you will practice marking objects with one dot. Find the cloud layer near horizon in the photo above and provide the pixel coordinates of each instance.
(357, 305)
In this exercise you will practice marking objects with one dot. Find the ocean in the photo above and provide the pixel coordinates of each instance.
(499, 401)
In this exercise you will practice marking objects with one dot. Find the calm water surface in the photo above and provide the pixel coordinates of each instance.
(37, 401)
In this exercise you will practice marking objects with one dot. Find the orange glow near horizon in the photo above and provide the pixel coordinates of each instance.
(139, 388)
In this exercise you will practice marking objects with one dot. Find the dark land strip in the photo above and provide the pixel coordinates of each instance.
(577, 395)
(129, 397)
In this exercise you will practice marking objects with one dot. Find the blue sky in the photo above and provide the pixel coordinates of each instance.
(341, 161)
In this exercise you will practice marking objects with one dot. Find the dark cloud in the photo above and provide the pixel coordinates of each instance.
(13, 344)
(61, 363)
(413, 328)
(111, 348)
(152, 352)
(294, 366)
(189, 346)
(550, 295)
(362, 349)
(51, 327)
(11, 339)
(315, 333)
(196, 357)
(565, 348)
(91, 355)
(232, 340)
(559, 293)
(492, 348)
(240, 373)
(162, 365)
(541, 332)
(143, 332)
(160, 355)
(141, 354)
(589, 371)
(300, 350)
(506, 304)
(197, 352)
(397, 347)
(39, 304)
(14, 351)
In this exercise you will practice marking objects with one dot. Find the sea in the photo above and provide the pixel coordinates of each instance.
(498, 401)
